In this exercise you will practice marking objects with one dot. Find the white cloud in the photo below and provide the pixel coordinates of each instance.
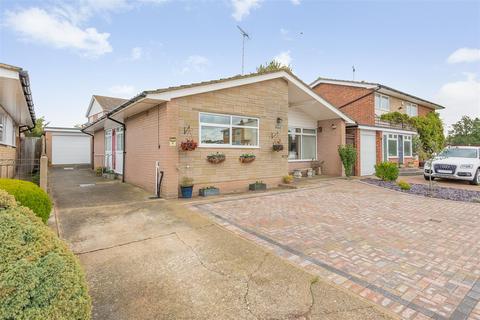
(137, 53)
(295, 2)
(122, 91)
(464, 55)
(285, 34)
(37, 25)
(242, 8)
(460, 98)
(195, 63)
(283, 58)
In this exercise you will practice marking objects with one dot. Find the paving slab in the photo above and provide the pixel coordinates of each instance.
(156, 259)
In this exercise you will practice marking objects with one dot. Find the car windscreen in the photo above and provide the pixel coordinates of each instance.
(459, 153)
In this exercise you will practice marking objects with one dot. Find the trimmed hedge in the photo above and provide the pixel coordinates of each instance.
(387, 171)
(29, 195)
(39, 277)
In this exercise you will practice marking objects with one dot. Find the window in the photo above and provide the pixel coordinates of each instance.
(108, 140)
(392, 144)
(382, 104)
(302, 144)
(228, 131)
(119, 139)
(2, 127)
(407, 146)
(412, 109)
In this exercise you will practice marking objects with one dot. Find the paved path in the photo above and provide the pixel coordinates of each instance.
(154, 259)
(417, 256)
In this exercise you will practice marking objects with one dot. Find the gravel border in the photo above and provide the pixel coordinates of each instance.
(422, 190)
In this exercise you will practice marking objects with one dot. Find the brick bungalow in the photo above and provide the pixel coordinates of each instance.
(375, 140)
(233, 116)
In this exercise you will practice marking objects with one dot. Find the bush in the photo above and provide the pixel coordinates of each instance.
(29, 195)
(39, 277)
(288, 179)
(404, 185)
(348, 155)
(387, 171)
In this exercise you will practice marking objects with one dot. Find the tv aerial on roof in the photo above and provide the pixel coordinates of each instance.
(245, 35)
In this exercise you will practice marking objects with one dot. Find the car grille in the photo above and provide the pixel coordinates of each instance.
(446, 167)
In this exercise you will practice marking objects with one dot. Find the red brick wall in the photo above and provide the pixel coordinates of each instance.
(361, 111)
(378, 140)
(423, 111)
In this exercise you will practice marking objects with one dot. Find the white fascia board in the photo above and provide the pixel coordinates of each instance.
(344, 83)
(11, 74)
(315, 96)
(90, 106)
(387, 130)
(72, 130)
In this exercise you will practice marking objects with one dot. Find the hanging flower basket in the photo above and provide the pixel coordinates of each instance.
(277, 147)
(188, 145)
(247, 158)
(216, 158)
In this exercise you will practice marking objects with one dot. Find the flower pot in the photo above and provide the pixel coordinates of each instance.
(247, 159)
(257, 186)
(110, 176)
(297, 173)
(215, 159)
(277, 147)
(205, 192)
(309, 172)
(186, 191)
(188, 145)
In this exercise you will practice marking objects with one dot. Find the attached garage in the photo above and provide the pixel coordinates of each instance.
(67, 146)
(367, 152)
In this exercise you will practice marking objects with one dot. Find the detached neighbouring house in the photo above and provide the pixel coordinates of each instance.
(374, 139)
(17, 115)
(233, 116)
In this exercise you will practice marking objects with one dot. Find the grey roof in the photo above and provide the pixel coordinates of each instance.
(379, 85)
(109, 103)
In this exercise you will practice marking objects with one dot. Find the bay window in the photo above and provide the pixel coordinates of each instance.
(302, 144)
(219, 130)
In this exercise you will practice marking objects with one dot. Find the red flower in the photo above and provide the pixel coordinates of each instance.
(188, 145)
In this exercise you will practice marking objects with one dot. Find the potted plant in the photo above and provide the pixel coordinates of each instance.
(109, 174)
(99, 171)
(209, 191)
(288, 179)
(247, 158)
(216, 158)
(277, 145)
(258, 185)
(317, 166)
(186, 187)
(188, 145)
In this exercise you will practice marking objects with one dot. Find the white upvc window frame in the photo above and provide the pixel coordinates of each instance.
(393, 137)
(3, 125)
(408, 138)
(230, 126)
(301, 134)
(379, 110)
(409, 107)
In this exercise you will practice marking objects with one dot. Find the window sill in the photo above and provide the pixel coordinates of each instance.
(301, 160)
(228, 147)
(7, 145)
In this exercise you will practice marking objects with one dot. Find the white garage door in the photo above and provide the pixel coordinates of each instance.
(367, 153)
(71, 149)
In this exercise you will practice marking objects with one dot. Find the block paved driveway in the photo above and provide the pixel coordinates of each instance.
(417, 256)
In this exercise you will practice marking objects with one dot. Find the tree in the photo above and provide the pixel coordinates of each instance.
(430, 131)
(273, 65)
(38, 130)
(465, 132)
(348, 155)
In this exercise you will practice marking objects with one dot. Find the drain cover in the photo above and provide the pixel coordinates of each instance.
(83, 185)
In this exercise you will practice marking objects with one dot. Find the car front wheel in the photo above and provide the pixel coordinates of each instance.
(476, 178)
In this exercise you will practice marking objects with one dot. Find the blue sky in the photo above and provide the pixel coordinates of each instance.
(121, 47)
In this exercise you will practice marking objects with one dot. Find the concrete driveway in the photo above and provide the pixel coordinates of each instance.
(154, 259)
(417, 256)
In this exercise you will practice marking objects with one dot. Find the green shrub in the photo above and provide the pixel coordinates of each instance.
(348, 155)
(29, 195)
(387, 171)
(403, 185)
(39, 277)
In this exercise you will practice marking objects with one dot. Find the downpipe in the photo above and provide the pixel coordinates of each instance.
(123, 144)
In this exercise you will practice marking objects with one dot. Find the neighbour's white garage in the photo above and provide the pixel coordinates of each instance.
(69, 146)
(367, 152)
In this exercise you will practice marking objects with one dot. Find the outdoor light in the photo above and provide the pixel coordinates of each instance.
(279, 122)
(334, 126)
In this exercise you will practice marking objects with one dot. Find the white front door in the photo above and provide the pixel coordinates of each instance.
(367, 152)
(119, 136)
(108, 150)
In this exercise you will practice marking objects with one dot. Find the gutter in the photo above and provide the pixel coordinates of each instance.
(123, 143)
(25, 82)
